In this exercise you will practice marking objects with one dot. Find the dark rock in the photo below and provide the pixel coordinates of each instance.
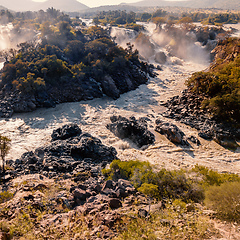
(187, 109)
(79, 156)
(29, 197)
(80, 194)
(114, 203)
(171, 131)
(91, 147)
(109, 87)
(67, 131)
(194, 140)
(205, 135)
(135, 130)
(121, 193)
(108, 184)
(160, 57)
(122, 183)
(109, 192)
(111, 219)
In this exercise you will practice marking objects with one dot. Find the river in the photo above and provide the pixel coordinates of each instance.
(31, 130)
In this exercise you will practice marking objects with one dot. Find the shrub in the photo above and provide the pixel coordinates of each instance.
(120, 169)
(168, 184)
(225, 200)
(150, 190)
(5, 196)
(214, 178)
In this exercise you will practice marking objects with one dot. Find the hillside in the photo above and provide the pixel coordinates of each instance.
(63, 5)
(29, 5)
(223, 4)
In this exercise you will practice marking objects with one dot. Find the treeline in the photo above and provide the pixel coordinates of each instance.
(130, 18)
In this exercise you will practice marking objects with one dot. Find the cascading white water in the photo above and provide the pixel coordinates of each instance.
(31, 130)
(187, 48)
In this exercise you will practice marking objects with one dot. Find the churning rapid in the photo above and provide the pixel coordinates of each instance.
(31, 130)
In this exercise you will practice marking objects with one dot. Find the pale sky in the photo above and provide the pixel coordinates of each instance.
(97, 3)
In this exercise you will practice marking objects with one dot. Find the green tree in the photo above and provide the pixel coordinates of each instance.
(4, 149)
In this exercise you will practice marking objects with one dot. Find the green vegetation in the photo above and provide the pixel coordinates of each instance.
(173, 222)
(68, 55)
(213, 178)
(218, 189)
(169, 184)
(224, 199)
(160, 16)
(5, 196)
(4, 149)
(178, 217)
(221, 85)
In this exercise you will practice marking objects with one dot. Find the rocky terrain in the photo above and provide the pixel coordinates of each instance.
(59, 191)
(187, 109)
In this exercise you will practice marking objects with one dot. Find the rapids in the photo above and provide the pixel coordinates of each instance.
(31, 130)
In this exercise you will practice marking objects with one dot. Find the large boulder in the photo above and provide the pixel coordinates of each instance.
(91, 147)
(171, 131)
(135, 130)
(67, 131)
(160, 57)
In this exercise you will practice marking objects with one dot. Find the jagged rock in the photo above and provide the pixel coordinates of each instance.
(67, 131)
(108, 184)
(135, 130)
(171, 131)
(80, 194)
(186, 108)
(160, 57)
(91, 147)
(79, 154)
(109, 87)
(194, 140)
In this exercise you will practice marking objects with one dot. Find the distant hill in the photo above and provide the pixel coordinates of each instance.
(222, 4)
(18, 5)
(2, 8)
(29, 5)
(64, 5)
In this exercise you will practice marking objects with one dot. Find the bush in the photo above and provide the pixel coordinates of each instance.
(168, 184)
(150, 190)
(5, 196)
(214, 178)
(224, 199)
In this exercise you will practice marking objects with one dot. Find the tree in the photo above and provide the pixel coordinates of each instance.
(4, 149)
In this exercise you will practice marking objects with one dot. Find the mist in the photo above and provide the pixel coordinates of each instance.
(11, 36)
(165, 45)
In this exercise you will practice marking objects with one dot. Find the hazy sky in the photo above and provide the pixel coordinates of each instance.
(96, 3)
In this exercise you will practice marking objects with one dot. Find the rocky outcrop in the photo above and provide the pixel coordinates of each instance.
(71, 152)
(171, 131)
(135, 130)
(187, 109)
(14, 101)
(225, 51)
(67, 131)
